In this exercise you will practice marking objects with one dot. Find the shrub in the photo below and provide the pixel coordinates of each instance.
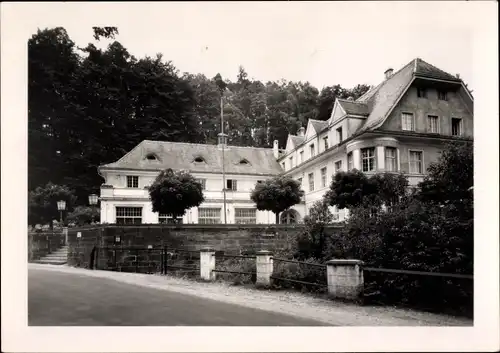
(236, 265)
(300, 272)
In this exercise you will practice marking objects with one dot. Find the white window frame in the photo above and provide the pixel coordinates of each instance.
(368, 158)
(234, 184)
(245, 215)
(291, 162)
(203, 183)
(168, 219)
(445, 95)
(338, 165)
(301, 155)
(421, 161)
(312, 151)
(133, 180)
(404, 126)
(460, 126)
(323, 176)
(424, 91)
(130, 216)
(429, 124)
(350, 161)
(325, 142)
(310, 179)
(212, 216)
(340, 134)
(392, 159)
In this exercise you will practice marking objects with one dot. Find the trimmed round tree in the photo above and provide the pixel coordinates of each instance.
(277, 195)
(175, 192)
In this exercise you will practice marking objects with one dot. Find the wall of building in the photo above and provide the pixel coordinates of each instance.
(422, 107)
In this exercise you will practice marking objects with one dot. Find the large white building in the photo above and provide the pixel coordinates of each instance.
(398, 126)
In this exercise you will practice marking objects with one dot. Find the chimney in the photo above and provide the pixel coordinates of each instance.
(458, 76)
(276, 151)
(388, 73)
(301, 131)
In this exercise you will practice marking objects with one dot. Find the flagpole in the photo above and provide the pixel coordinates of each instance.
(223, 148)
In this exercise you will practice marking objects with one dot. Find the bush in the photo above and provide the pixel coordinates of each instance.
(300, 272)
(236, 265)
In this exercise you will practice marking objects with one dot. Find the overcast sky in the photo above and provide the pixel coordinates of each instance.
(323, 43)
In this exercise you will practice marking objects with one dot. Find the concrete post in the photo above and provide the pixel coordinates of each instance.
(264, 262)
(345, 279)
(207, 264)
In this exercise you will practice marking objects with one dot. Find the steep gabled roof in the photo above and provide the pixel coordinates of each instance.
(425, 69)
(198, 158)
(297, 140)
(353, 108)
(318, 125)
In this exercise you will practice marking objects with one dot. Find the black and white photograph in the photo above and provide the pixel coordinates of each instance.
(274, 166)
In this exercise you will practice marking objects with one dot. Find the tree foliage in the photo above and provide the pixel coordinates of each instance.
(175, 192)
(312, 243)
(277, 194)
(89, 106)
(42, 203)
(83, 215)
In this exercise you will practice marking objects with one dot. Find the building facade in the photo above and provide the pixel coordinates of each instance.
(401, 125)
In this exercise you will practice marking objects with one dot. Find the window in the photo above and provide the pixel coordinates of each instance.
(368, 159)
(390, 159)
(209, 215)
(350, 161)
(311, 148)
(199, 159)
(245, 215)
(231, 184)
(339, 135)
(300, 181)
(244, 162)
(311, 181)
(456, 126)
(421, 92)
(283, 165)
(128, 215)
(407, 122)
(416, 162)
(325, 141)
(433, 124)
(291, 162)
(132, 181)
(259, 181)
(323, 177)
(338, 166)
(168, 219)
(442, 95)
(301, 154)
(203, 183)
(151, 157)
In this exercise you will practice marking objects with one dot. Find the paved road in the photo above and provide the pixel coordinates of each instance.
(64, 299)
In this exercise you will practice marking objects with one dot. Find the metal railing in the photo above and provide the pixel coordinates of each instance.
(419, 273)
(222, 255)
(277, 278)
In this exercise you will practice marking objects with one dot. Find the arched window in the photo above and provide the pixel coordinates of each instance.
(289, 217)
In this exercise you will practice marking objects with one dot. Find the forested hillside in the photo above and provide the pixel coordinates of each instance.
(88, 106)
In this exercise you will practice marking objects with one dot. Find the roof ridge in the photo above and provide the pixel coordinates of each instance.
(200, 144)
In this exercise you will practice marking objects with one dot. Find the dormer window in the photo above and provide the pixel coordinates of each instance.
(422, 92)
(199, 159)
(151, 157)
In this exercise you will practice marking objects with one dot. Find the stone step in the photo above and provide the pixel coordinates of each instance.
(58, 252)
(50, 262)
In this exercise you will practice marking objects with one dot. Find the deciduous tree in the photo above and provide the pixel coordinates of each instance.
(277, 194)
(175, 192)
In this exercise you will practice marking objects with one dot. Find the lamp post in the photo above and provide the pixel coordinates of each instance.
(61, 206)
(93, 198)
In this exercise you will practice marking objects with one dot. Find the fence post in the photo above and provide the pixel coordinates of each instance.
(207, 264)
(345, 279)
(264, 266)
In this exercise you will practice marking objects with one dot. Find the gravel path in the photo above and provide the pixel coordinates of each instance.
(291, 303)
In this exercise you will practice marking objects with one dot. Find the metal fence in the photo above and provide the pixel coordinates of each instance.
(145, 260)
(306, 275)
(229, 264)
